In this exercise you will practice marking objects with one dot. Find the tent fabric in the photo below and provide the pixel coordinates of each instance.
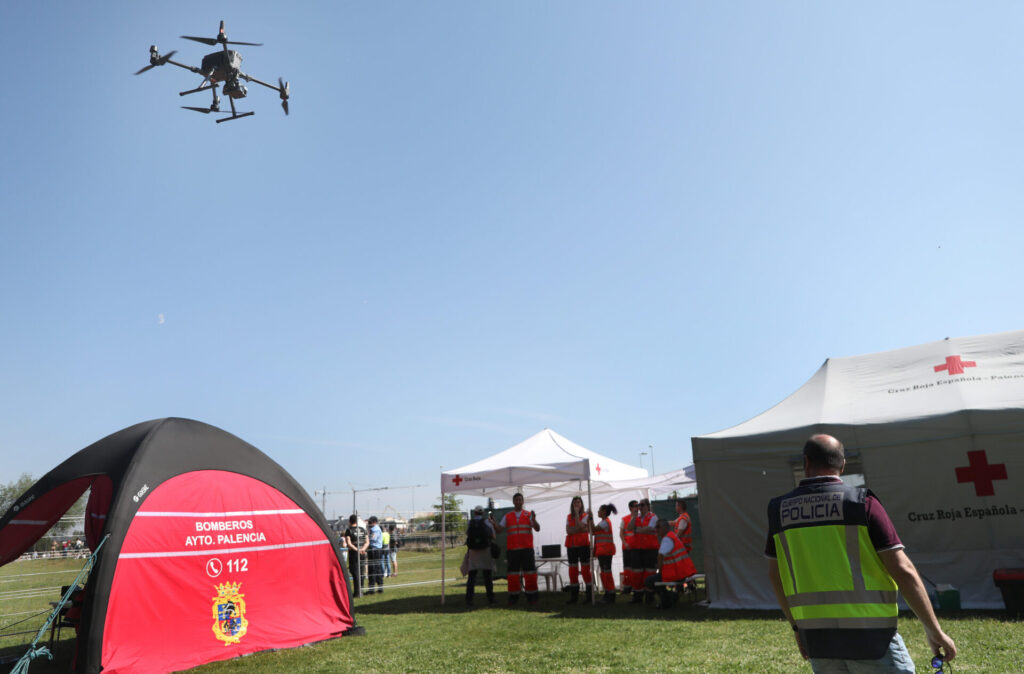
(214, 551)
(544, 466)
(936, 430)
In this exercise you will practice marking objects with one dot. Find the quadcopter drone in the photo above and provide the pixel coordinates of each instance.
(219, 68)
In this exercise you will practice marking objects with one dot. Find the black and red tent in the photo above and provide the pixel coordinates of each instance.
(214, 551)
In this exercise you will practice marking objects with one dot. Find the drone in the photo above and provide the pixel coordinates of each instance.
(221, 68)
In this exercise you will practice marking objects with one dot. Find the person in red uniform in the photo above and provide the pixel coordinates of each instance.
(626, 534)
(522, 567)
(604, 550)
(674, 563)
(577, 546)
(645, 550)
(681, 525)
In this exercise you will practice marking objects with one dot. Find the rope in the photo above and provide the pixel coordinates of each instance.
(35, 651)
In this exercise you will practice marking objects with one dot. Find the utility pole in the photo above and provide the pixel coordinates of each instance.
(651, 447)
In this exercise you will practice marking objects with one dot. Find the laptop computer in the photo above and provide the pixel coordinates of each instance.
(551, 551)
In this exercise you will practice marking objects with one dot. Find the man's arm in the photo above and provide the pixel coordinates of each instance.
(905, 574)
(498, 526)
(533, 521)
(780, 597)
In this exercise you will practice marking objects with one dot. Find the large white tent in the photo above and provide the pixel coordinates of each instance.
(545, 466)
(936, 431)
(549, 470)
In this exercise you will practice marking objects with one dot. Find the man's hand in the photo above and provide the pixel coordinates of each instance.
(907, 578)
(941, 645)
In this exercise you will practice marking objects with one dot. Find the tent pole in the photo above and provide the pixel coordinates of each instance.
(590, 509)
(444, 517)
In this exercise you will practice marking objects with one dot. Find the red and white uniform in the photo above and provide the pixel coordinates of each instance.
(681, 526)
(520, 530)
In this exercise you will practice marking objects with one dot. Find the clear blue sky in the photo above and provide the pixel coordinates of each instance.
(632, 223)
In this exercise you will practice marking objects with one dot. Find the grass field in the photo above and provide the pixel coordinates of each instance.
(408, 630)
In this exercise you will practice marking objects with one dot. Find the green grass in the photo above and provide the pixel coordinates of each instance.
(408, 630)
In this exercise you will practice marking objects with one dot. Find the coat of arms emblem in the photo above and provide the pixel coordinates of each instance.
(229, 622)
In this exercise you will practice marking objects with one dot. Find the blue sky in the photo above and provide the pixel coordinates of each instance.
(632, 223)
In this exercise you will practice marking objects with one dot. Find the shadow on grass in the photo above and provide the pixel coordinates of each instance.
(553, 604)
(63, 651)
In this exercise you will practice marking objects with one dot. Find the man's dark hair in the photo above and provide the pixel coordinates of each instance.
(682, 504)
(632, 503)
(353, 519)
(824, 451)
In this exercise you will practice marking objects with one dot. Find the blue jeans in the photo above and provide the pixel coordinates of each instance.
(897, 661)
(386, 558)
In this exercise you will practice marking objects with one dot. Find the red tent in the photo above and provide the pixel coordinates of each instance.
(214, 550)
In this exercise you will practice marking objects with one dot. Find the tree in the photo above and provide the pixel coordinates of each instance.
(10, 492)
(454, 522)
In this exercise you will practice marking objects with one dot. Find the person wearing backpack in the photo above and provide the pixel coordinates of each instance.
(479, 535)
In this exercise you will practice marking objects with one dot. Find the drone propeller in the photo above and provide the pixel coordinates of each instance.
(221, 38)
(285, 92)
(156, 60)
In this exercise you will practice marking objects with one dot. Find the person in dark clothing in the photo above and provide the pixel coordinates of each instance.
(356, 543)
(479, 555)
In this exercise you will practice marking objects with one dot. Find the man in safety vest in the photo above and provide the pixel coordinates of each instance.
(836, 565)
(674, 564)
(681, 525)
(522, 567)
(645, 550)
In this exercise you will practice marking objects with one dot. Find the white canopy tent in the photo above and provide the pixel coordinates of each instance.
(549, 470)
(936, 431)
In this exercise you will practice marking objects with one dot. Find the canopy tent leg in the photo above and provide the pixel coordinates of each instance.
(444, 518)
(593, 576)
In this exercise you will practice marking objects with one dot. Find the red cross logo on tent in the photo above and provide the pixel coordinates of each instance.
(954, 365)
(598, 469)
(981, 473)
(457, 480)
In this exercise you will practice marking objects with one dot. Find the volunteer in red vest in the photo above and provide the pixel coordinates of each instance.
(645, 550)
(681, 525)
(577, 546)
(626, 535)
(604, 550)
(522, 567)
(674, 564)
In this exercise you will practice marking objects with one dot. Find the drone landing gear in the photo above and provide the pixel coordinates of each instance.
(234, 113)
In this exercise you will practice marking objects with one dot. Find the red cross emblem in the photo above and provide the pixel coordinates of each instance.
(457, 480)
(954, 365)
(598, 469)
(981, 473)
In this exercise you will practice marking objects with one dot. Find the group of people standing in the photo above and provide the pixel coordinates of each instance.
(653, 551)
(372, 554)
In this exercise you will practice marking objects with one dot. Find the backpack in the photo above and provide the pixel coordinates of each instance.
(478, 536)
